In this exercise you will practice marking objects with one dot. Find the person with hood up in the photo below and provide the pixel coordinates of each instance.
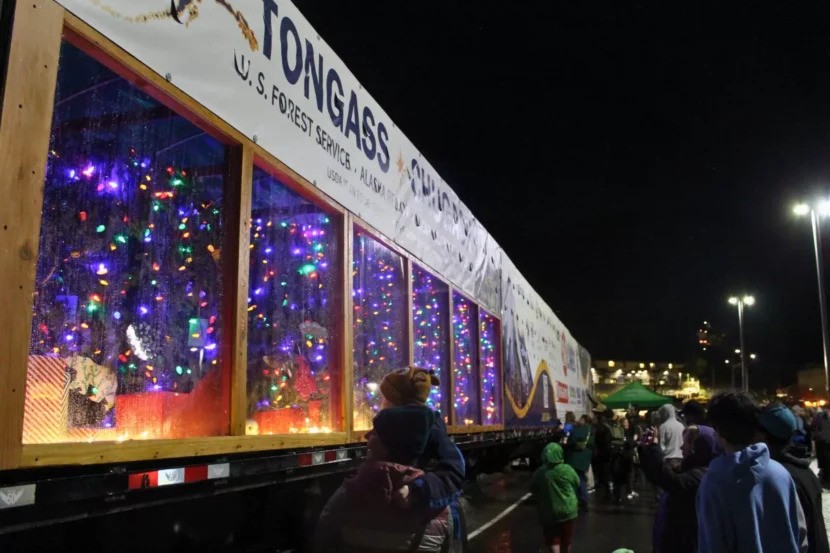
(747, 502)
(555, 486)
(578, 454)
(779, 424)
(675, 526)
(363, 515)
(671, 436)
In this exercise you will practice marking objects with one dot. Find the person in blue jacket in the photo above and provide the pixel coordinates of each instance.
(747, 502)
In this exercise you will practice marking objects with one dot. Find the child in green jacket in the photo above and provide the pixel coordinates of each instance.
(554, 487)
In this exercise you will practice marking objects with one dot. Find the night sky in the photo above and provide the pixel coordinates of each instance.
(637, 161)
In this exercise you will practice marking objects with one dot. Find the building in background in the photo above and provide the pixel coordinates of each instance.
(661, 376)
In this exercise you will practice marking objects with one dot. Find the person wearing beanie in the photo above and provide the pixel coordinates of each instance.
(363, 515)
(693, 413)
(555, 486)
(442, 463)
(779, 424)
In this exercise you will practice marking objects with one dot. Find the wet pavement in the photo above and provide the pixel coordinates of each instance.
(602, 530)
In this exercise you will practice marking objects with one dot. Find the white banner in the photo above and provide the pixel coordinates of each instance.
(260, 66)
(535, 344)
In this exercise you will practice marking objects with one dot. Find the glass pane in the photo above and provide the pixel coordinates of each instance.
(491, 368)
(430, 314)
(465, 361)
(380, 313)
(294, 311)
(129, 293)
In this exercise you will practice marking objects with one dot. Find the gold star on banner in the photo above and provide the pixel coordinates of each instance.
(400, 163)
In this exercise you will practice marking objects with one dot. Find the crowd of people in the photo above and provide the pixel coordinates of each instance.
(733, 478)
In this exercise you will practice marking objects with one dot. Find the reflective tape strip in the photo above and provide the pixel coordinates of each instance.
(318, 457)
(142, 480)
(342, 455)
(221, 470)
(17, 496)
(304, 460)
(171, 477)
(330, 456)
(195, 474)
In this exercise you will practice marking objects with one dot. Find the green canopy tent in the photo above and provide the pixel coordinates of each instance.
(635, 394)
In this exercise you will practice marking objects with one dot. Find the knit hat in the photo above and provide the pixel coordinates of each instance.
(404, 430)
(408, 385)
(778, 421)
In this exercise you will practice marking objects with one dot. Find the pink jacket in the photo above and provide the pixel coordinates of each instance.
(362, 517)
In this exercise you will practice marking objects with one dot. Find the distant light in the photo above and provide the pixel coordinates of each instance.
(662, 382)
(801, 209)
(726, 361)
(749, 300)
(651, 365)
(642, 365)
(752, 356)
(665, 373)
(733, 300)
(824, 208)
(737, 351)
(671, 366)
(611, 364)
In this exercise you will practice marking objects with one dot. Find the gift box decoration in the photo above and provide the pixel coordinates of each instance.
(45, 413)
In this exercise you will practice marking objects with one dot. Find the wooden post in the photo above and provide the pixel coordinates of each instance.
(450, 396)
(410, 319)
(25, 126)
(238, 190)
(347, 378)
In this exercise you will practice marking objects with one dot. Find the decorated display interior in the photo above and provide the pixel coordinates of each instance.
(293, 313)
(379, 293)
(127, 316)
(465, 361)
(431, 331)
(489, 340)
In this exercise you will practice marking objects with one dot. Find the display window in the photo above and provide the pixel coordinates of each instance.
(129, 295)
(431, 332)
(490, 355)
(380, 315)
(294, 311)
(466, 375)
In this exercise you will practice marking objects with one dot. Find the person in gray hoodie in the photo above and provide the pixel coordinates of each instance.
(670, 436)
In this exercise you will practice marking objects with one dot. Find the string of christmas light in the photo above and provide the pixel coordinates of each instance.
(129, 278)
(465, 361)
(490, 380)
(430, 306)
(289, 314)
(379, 296)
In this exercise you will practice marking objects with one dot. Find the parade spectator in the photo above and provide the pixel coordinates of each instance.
(602, 453)
(779, 425)
(671, 436)
(821, 437)
(555, 486)
(693, 413)
(570, 422)
(578, 453)
(622, 463)
(747, 503)
(363, 514)
(675, 526)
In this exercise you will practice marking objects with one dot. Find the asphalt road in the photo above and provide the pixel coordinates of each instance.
(602, 530)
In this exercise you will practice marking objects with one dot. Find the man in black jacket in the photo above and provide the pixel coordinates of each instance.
(778, 424)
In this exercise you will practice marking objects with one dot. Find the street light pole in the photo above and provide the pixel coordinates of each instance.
(821, 299)
(740, 302)
(744, 373)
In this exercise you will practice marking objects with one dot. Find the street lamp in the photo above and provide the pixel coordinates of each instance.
(740, 303)
(822, 209)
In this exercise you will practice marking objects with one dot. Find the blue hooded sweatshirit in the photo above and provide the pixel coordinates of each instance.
(747, 503)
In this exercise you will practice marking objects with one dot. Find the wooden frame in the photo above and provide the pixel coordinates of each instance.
(25, 129)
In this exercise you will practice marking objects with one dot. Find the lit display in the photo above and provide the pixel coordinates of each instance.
(379, 294)
(430, 315)
(465, 361)
(293, 309)
(490, 368)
